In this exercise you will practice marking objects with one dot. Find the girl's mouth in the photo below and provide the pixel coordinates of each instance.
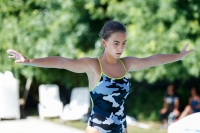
(119, 54)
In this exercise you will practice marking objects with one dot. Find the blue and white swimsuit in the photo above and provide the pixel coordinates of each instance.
(194, 104)
(108, 98)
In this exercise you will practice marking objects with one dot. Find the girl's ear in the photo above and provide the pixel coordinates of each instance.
(103, 42)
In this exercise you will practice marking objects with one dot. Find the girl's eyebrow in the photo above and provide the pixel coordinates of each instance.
(118, 41)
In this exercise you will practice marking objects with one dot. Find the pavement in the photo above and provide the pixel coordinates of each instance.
(34, 125)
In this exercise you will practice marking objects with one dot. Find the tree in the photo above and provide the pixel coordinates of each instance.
(70, 28)
(157, 27)
(40, 28)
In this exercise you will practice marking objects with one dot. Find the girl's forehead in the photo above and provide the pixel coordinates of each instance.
(118, 36)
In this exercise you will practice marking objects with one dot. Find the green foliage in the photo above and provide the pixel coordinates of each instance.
(40, 28)
(145, 101)
(70, 28)
(156, 27)
(37, 29)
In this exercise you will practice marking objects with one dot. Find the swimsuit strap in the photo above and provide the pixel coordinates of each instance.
(123, 65)
(100, 64)
(119, 60)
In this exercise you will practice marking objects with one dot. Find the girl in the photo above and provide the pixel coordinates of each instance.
(194, 104)
(171, 107)
(107, 75)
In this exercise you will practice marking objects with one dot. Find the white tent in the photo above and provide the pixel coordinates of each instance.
(9, 96)
(50, 104)
(78, 106)
(188, 124)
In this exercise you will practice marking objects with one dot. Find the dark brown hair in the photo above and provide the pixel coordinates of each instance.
(111, 27)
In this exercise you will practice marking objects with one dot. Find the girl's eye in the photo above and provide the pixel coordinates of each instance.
(124, 43)
(115, 43)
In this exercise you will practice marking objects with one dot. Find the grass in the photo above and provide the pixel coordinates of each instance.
(154, 126)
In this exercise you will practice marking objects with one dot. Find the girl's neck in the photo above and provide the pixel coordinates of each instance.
(194, 95)
(108, 59)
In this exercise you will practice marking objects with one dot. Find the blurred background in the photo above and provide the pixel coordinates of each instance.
(70, 28)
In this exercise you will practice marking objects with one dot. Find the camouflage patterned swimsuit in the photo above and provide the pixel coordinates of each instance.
(108, 99)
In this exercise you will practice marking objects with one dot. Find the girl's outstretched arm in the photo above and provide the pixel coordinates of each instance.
(75, 65)
(136, 64)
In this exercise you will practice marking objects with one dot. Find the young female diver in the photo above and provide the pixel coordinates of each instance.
(107, 75)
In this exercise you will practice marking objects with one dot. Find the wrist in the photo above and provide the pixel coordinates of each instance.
(28, 62)
(181, 56)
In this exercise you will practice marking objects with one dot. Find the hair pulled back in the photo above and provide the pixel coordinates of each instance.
(111, 27)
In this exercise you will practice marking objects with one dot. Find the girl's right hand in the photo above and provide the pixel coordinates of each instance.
(19, 58)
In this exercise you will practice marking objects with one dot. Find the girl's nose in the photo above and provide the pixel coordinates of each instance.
(121, 47)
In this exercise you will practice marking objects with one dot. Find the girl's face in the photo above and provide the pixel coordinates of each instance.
(170, 90)
(115, 44)
(193, 92)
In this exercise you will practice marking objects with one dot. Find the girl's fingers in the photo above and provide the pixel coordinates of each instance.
(185, 47)
(12, 57)
(191, 50)
(9, 51)
(18, 61)
(12, 52)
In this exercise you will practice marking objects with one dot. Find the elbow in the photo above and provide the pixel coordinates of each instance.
(60, 62)
(156, 60)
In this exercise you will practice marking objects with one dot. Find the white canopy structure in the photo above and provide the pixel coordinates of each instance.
(188, 124)
(50, 104)
(78, 106)
(9, 96)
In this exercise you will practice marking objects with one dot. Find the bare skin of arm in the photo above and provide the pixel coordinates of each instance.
(176, 108)
(165, 104)
(90, 66)
(136, 64)
(164, 109)
(75, 65)
(84, 64)
(176, 104)
(199, 102)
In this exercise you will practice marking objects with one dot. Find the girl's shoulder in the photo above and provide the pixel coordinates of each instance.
(93, 64)
(128, 59)
(91, 61)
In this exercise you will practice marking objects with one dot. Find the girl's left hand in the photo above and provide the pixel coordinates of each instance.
(185, 52)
